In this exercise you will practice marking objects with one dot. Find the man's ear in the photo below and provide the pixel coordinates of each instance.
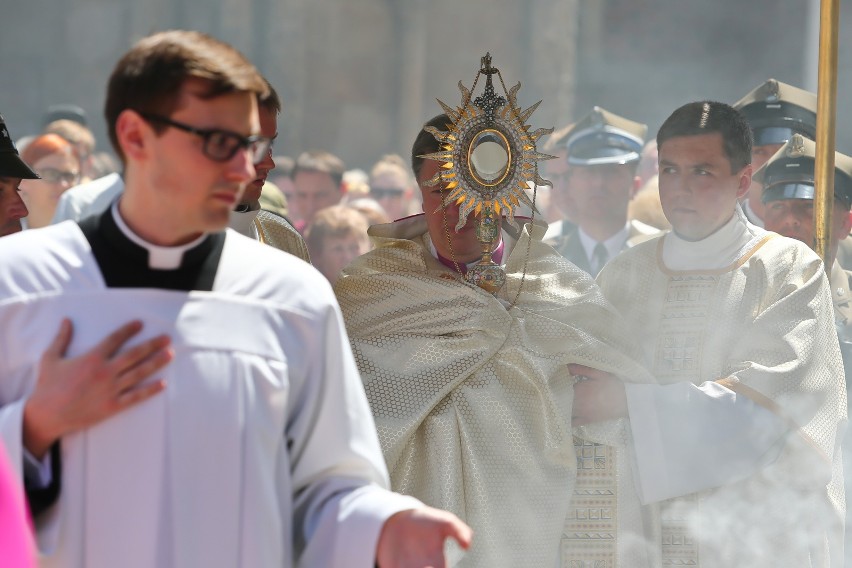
(130, 130)
(745, 181)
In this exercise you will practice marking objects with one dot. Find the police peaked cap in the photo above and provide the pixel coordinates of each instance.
(789, 174)
(602, 137)
(775, 111)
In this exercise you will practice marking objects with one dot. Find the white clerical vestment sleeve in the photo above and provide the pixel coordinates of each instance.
(689, 438)
(339, 474)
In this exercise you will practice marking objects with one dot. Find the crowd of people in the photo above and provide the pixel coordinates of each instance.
(659, 381)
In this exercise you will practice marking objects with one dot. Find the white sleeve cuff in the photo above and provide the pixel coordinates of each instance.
(690, 438)
(349, 539)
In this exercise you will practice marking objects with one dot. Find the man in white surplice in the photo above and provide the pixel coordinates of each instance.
(738, 445)
(237, 433)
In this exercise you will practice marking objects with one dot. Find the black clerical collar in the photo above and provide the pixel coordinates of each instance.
(127, 264)
(159, 257)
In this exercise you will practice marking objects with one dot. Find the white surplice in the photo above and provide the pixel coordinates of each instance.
(260, 451)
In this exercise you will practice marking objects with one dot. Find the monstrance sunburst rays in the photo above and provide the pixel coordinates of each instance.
(497, 122)
(487, 159)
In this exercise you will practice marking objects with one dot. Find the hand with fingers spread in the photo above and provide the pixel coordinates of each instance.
(415, 538)
(75, 393)
(598, 396)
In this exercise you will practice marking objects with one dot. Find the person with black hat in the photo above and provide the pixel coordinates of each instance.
(603, 151)
(12, 170)
(775, 111)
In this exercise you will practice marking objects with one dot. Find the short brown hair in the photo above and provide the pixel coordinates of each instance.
(148, 78)
(370, 209)
(332, 222)
(390, 163)
(708, 117)
(284, 165)
(271, 101)
(426, 143)
(320, 161)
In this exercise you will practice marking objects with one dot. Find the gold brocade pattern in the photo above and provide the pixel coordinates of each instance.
(274, 230)
(765, 327)
(473, 401)
(606, 526)
(591, 529)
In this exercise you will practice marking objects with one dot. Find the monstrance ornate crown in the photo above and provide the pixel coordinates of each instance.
(488, 160)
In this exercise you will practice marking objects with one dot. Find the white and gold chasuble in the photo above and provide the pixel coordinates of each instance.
(757, 322)
(472, 400)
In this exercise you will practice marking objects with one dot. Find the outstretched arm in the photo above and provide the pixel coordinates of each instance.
(687, 437)
(598, 396)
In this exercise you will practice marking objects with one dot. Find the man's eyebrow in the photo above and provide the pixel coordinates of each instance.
(700, 165)
(705, 166)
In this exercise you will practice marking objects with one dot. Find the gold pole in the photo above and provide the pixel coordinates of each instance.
(829, 15)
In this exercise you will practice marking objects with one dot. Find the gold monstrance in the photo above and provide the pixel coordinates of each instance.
(488, 161)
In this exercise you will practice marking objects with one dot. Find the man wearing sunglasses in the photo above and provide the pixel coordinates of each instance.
(250, 443)
(391, 186)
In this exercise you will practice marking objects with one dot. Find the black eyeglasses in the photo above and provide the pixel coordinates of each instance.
(219, 145)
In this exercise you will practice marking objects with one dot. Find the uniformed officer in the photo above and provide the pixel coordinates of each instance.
(788, 194)
(603, 151)
(775, 111)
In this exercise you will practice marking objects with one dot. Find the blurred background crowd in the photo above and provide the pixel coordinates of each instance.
(358, 78)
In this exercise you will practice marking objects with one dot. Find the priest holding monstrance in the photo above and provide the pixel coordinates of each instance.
(463, 324)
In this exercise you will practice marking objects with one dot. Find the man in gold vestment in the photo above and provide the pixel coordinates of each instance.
(471, 391)
(737, 447)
